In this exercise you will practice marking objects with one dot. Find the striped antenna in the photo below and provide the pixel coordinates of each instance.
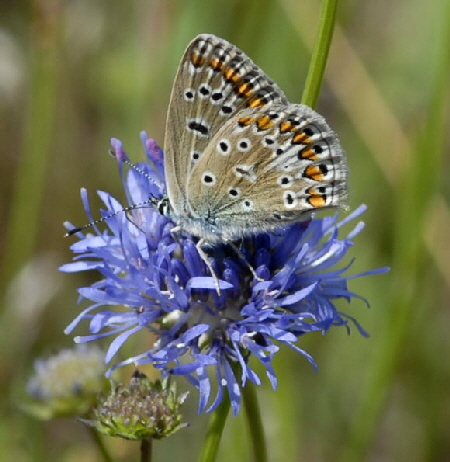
(137, 169)
(152, 201)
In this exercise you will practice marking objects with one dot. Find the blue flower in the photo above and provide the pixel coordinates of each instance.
(155, 280)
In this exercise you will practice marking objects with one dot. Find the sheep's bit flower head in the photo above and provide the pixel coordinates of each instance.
(141, 410)
(67, 383)
(163, 286)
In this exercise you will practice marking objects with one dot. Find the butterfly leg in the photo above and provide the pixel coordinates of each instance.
(175, 233)
(244, 259)
(204, 256)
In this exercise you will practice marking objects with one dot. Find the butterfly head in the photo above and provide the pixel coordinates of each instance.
(162, 205)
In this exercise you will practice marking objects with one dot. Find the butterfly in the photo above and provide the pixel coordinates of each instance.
(239, 158)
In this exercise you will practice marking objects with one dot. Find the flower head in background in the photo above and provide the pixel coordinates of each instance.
(67, 383)
(141, 410)
(155, 280)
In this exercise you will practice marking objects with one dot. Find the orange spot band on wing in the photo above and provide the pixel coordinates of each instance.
(300, 138)
(313, 192)
(286, 127)
(245, 121)
(245, 90)
(231, 75)
(314, 173)
(197, 60)
(264, 122)
(308, 154)
(256, 102)
(317, 200)
(216, 64)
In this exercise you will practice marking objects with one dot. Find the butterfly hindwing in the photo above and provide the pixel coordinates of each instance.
(266, 167)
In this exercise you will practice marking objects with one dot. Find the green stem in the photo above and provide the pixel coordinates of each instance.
(254, 423)
(98, 441)
(146, 450)
(320, 53)
(215, 430)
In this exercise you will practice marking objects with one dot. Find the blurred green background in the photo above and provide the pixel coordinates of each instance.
(75, 73)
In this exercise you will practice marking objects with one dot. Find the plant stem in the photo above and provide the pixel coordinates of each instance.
(214, 434)
(254, 423)
(320, 53)
(146, 450)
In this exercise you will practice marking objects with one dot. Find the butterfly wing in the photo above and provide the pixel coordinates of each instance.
(215, 81)
(265, 168)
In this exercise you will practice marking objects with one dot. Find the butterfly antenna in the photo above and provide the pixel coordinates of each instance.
(139, 170)
(152, 201)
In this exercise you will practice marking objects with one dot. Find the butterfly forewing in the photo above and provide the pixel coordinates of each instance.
(267, 167)
(215, 82)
